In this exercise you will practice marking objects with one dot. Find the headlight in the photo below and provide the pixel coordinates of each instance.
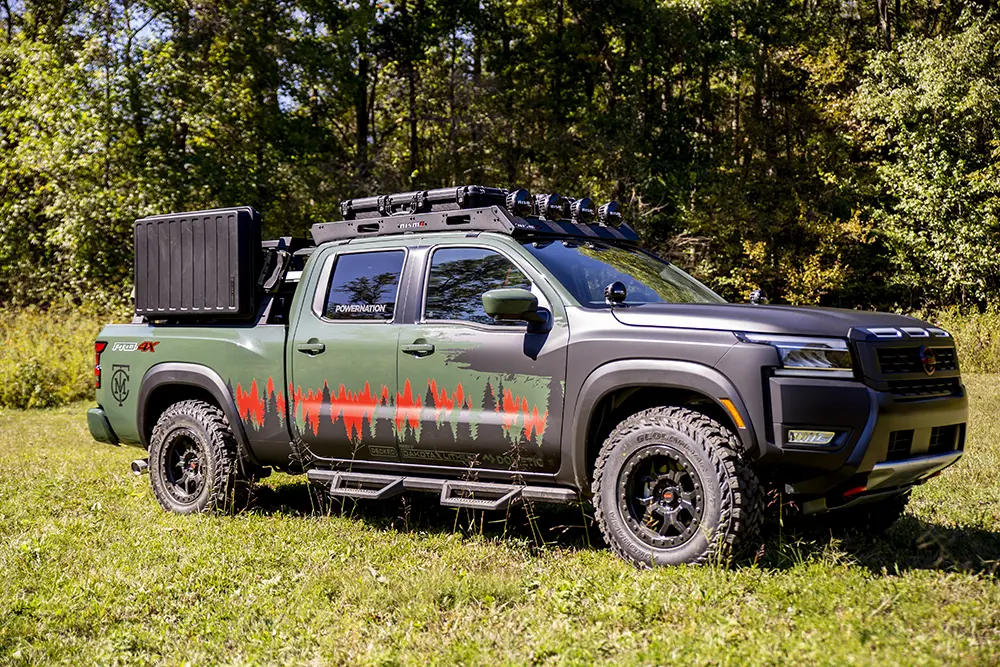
(803, 355)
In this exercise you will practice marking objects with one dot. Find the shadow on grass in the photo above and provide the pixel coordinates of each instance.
(910, 544)
(539, 524)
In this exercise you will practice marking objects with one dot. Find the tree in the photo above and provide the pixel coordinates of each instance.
(931, 118)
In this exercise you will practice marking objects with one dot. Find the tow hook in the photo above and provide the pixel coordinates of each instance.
(140, 466)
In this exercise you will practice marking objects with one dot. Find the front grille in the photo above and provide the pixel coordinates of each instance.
(943, 439)
(900, 443)
(915, 389)
(897, 360)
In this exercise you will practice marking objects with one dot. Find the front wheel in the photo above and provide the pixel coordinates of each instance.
(671, 487)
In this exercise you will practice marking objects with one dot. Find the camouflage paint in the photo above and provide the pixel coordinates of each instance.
(355, 412)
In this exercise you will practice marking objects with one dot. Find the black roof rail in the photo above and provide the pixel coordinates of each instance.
(487, 219)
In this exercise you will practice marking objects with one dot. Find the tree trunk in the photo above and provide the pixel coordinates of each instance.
(361, 118)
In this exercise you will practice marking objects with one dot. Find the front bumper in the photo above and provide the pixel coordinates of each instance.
(883, 442)
(100, 427)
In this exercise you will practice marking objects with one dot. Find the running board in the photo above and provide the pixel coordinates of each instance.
(454, 493)
(361, 485)
(479, 495)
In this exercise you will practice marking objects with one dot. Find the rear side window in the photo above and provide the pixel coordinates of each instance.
(364, 285)
(458, 279)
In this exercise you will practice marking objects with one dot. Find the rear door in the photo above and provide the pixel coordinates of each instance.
(343, 356)
(474, 392)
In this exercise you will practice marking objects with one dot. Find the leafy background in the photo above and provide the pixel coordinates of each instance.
(832, 152)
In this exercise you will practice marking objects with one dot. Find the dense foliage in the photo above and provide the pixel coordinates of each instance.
(830, 151)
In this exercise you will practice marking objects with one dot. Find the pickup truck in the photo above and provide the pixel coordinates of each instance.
(492, 347)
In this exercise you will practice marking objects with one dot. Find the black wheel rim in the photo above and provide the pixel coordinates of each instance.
(184, 467)
(661, 496)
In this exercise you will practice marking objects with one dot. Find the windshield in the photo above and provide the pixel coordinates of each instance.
(585, 268)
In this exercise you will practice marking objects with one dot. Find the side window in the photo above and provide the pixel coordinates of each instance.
(363, 286)
(458, 279)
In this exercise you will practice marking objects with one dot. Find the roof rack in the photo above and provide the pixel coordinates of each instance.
(489, 219)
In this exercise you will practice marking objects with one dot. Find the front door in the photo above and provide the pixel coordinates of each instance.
(474, 392)
(343, 359)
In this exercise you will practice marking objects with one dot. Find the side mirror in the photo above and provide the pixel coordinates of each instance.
(758, 296)
(512, 303)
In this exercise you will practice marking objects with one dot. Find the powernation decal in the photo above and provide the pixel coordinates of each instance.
(404, 417)
(365, 308)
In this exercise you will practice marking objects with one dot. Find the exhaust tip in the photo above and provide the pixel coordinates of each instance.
(140, 466)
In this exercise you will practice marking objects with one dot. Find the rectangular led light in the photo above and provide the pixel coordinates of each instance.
(801, 437)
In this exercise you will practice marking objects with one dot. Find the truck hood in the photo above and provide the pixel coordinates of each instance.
(795, 320)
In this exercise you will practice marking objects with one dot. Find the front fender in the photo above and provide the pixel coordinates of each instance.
(192, 375)
(650, 373)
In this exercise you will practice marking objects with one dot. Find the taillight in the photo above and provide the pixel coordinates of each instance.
(98, 348)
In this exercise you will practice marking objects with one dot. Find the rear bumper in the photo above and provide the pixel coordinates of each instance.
(100, 427)
(883, 443)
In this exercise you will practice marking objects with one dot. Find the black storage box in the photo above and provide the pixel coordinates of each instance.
(197, 265)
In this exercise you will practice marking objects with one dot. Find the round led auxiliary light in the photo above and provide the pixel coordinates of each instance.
(520, 203)
(581, 211)
(550, 207)
(610, 214)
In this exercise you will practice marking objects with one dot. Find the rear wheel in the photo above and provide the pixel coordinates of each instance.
(194, 460)
(671, 487)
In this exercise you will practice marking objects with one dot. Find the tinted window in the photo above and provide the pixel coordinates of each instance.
(460, 276)
(586, 268)
(363, 286)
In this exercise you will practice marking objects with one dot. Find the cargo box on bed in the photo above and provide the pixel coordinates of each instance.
(197, 265)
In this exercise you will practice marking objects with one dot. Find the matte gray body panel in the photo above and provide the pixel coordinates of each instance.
(794, 320)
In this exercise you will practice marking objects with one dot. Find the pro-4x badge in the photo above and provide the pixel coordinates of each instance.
(119, 383)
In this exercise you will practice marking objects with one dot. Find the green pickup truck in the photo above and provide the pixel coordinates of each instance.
(493, 347)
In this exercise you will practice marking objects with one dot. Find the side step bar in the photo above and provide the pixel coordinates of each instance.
(360, 485)
(454, 493)
(479, 495)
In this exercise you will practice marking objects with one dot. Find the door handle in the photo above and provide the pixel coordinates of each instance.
(418, 349)
(311, 348)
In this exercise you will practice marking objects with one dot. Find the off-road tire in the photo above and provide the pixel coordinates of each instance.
(731, 493)
(873, 519)
(203, 428)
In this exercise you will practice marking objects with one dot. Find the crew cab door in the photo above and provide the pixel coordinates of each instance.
(342, 356)
(474, 392)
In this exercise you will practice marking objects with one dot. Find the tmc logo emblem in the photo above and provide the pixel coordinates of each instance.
(928, 359)
(119, 383)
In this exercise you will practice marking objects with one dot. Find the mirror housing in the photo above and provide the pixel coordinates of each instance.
(512, 303)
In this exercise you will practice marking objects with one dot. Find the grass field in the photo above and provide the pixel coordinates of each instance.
(92, 571)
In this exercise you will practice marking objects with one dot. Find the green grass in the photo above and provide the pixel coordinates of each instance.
(92, 571)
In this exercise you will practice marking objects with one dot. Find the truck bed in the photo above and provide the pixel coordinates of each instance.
(251, 352)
